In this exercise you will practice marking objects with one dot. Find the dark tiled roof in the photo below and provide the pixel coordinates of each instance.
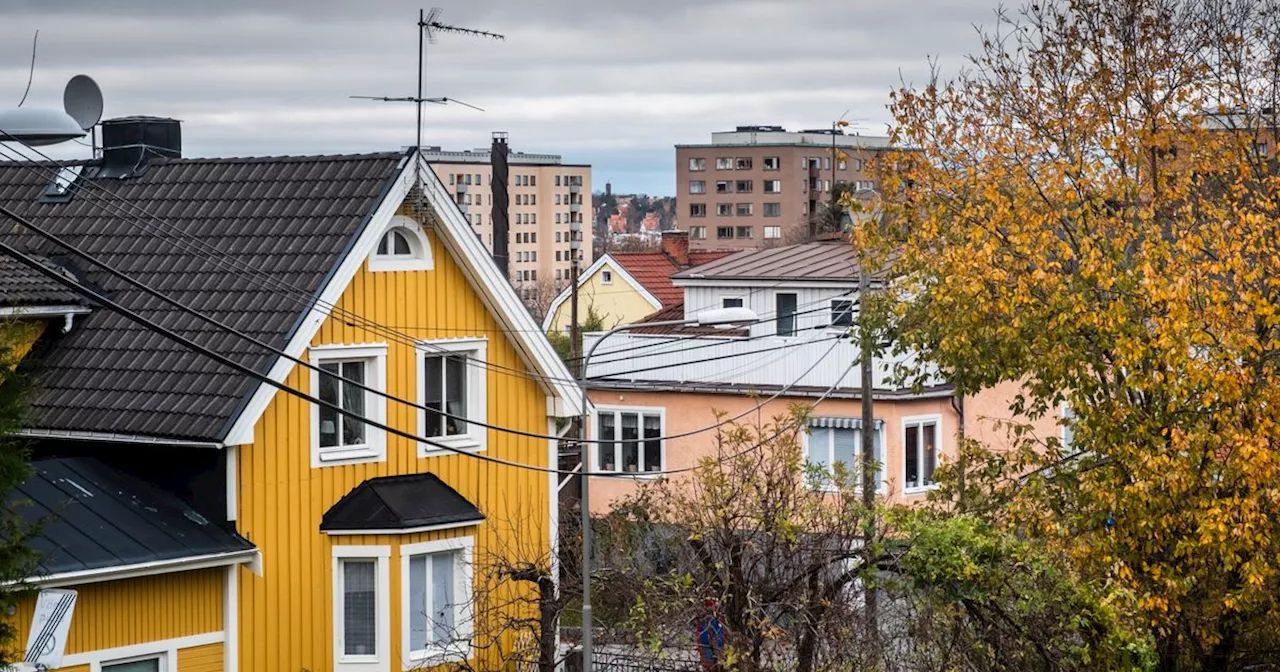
(653, 270)
(834, 260)
(92, 516)
(292, 217)
(399, 503)
(23, 286)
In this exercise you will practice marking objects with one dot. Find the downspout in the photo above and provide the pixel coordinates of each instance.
(957, 404)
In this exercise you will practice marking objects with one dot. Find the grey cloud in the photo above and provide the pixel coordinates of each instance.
(615, 84)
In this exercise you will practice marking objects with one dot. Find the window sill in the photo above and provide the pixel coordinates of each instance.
(920, 490)
(632, 475)
(464, 442)
(348, 455)
(434, 657)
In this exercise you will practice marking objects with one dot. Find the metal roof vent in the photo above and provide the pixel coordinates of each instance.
(129, 144)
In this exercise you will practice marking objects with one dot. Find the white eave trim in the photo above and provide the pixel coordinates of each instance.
(113, 437)
(589, 273)
(759, 283)
(247, 556)
(43, 311)
(407, 530)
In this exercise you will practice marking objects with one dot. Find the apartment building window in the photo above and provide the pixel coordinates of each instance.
(724, 163)
(477, 179)
(859, 164)
(785, 309)
(920, 447)
(864, 185)
(724, 186)
(452, 390)
(533, 199)
(533, 180)
(557, 218)
(724, 232)
(724, 209)
(697, 209)
(451, 177)
(533, 218)
(467, 178)
(772, 232)
(338, 437)
(826, 163)
(436, 600)
(772, 209)
(837, 441)
(841, 313)
(557, 255)
(557, 180)
(697, 187)
(698, 232)
(533, 237)
(557, 199)
(743, 163)
(744, 209)
(773, 186)
(697, 164)
(842, 165)
(745, 231)
(557, 235)
(630, 440)
(772, 163)
(743, 186)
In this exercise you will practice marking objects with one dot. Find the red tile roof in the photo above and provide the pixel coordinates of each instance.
(653, 270)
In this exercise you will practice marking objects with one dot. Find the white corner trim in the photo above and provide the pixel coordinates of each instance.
(164, 647)
(553, 495)
(407, 530)
(242, 427)
(420, 247)
(231, 620)
(230, 466)
(497, 293)
(145, 569)
(585, 276)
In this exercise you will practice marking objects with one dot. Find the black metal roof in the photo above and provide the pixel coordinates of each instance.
(291, 217)
(24, 287)
(399, 503)
(93, 516)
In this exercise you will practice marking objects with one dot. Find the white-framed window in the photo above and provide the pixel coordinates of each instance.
(921, 438)
(742, 163)
(841, 313)
(630, 439)
(156, 662)
(724, 186)
(342, 438)
(1067, 419)
(402, 247)
(697, 209)
(773, 186)
(831, 441)
(697, 186)
(436, 601)
(744, 209)
(606, 277)
(772, 163)
(724, 209)
(745, 231)
(698, 232)
(361, 608)
(451, 383)
(732, 302)
(772, 232)
(697, 164)
(724, 163)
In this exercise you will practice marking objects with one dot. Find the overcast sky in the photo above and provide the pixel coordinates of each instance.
(607, 82)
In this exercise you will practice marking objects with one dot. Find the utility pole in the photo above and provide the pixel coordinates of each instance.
(869, 466)
(584, 492)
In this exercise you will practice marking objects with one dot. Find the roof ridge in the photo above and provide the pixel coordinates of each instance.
(277, 158)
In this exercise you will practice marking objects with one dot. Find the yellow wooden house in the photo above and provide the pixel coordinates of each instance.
(266, 532)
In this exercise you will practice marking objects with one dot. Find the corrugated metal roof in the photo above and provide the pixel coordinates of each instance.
(92, 516)
(21, 286)
(833, 260)
(399, 503)
(290, 217)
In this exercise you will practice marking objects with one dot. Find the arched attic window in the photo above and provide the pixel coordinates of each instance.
(403, 246)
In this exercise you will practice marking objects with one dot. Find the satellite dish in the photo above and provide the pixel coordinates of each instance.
(34, 126)
(82, 100)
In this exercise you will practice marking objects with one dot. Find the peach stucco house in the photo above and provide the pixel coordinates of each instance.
(656, 382)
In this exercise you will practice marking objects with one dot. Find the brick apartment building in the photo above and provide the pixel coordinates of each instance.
(546, 198)
(760, 185)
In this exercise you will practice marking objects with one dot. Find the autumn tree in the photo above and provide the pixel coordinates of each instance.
(1090, 209)
(17, 559)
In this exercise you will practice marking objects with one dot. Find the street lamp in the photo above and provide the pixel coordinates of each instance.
(725, 318)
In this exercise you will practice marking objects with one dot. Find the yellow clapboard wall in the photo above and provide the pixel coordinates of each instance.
(286, 615)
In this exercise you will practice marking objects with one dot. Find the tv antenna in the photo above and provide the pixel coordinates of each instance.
(428, 25)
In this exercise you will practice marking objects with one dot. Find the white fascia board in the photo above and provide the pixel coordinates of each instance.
(768, 284)
(499, 296)
(114, 437)
(242, 429)
(247, 556)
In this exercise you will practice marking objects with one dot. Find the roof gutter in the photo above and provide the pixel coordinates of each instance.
(113, 437)
(250, 556)
(66, 312)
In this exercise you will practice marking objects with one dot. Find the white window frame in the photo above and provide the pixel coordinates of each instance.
(772, 187)
(606, 277)
(772, 228)
(853, 313)
(641, 411)
(777, 163)
(697, 186)
(921, 420)
(374, 449)
(476, 438)
(160, 656)
(698, 232)
(378, 662)
(420, 246)
(697, 164)
(463, 586)
(739, 297)
(1066, 430)
(882, 487)
(724, 163)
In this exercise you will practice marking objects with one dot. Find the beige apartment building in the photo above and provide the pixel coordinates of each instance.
(757, 186)
(548, 201)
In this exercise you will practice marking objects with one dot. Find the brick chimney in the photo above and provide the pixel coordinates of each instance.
(675, 244)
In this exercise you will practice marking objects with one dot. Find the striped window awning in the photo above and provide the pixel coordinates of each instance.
(834, 422)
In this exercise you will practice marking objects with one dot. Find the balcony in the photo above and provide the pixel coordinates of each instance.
(575, 188)
(462, 188)
(575, 207)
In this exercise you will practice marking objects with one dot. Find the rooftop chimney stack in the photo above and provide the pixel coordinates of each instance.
(498, 153)
(130, 143)
(675, 244)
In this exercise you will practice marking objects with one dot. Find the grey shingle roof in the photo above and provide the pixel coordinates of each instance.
(92, 516)
(21, 286)
(828, 260)
(291, 217)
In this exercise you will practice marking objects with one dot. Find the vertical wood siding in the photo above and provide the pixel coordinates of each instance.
(286, 614)
(133, 611)
(206, 658)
